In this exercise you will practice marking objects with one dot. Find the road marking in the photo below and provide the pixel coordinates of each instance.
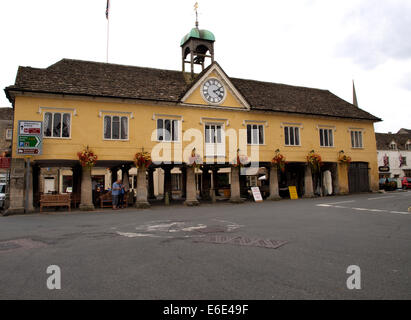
(331, 203)
(378, 198)
(362, 209)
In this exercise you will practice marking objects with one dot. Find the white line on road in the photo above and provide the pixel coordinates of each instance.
(331, 203)
(378, 198)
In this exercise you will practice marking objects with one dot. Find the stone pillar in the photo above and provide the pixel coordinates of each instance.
(342, 171)
(30, 206)
(126, 183)
(191, 197)
(274, 191)
(308, 183)
(36, 185)
(151, 184)
(86, 203)
(334, 178)
(235, 185)
(215, 181)
(142, 193)
(167, 183)
(205, 183)
(16, 187)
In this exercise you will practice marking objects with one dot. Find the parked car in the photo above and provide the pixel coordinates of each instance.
(388, 184)
(406, 183)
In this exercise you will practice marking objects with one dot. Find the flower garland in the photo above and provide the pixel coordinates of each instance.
(314, 160)
(240, 160)
(195, 159)
(87, 158)
(343, 158)
(278, 160)
(142, 159)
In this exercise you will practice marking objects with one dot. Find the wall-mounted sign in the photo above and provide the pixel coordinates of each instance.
(384, 169)
(256, 194)
(30, 138)
(293, 192)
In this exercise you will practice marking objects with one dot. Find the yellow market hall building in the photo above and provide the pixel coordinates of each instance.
(209, 135)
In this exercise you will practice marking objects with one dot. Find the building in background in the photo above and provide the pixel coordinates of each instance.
(394, 154)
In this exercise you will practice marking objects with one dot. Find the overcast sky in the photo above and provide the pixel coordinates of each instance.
(315, 43)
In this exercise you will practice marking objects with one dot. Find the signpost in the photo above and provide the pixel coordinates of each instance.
(293, 192)
(257, 194)
(29, 143)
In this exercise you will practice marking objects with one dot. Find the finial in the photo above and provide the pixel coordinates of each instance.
(196, 10)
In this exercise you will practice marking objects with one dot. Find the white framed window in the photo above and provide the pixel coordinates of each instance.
(393, 146)
(255, 134)
(57, 125)
(9, 134)
(356, 139)
(326, 137)
(292, 136)
(115, 127)
(167, 130)
(214, 138)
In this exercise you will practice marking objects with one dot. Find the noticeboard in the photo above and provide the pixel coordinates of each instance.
(257, 194)
(293, 192)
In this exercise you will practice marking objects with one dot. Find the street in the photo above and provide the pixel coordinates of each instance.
(298, 249)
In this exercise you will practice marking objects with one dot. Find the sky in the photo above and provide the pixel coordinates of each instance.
(313, 43)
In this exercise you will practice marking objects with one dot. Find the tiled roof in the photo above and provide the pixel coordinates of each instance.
(384, 140)
(78, 77)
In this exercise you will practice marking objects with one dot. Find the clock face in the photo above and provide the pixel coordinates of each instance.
(213, 91)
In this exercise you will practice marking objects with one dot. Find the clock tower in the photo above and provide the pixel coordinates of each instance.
(197, 47)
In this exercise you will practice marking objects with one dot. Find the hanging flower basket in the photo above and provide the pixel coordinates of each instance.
(142, 159)
(278, 161)
(342, 158)
(314, 160)
(195, 160)
(87, 158)
(240, 160)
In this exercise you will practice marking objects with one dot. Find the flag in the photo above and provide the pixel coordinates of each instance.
(107, 8)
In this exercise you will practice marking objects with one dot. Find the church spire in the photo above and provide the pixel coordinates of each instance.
(196, 10)
(354, 95)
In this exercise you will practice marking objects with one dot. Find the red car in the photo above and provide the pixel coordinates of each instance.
(406, 183)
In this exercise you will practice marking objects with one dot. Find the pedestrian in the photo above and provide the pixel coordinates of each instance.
(115, 193)
(121, 197)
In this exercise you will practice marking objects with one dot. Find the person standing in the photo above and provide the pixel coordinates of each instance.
(115, 193)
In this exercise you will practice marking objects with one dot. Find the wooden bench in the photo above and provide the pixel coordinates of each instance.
(106, 200)
(55, 200)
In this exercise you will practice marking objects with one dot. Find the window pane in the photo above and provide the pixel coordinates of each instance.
(356, 139)
(261, 134)
(207, 134)
(322, 137)
(212, 134)
(167, 130)
(287, 139)
(57, 125)
(160, 131)
(107, 127)
(248, 134)
(359, 139)
(326, 138)
(66, 125)
(292, 136)
(352, 139)
(116, 127)
(297, 136)
(175, 130)
(47, 124)
(124, 128)
(218, 128)
(255, 134)
(331, 138)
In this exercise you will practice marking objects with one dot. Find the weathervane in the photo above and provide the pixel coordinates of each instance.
(196, 10)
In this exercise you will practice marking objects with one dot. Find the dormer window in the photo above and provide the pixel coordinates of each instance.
(393, 146)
